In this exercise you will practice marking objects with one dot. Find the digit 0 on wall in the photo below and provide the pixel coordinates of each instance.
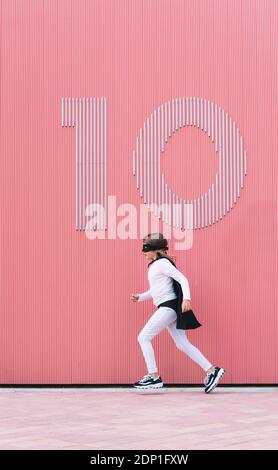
(221, 129)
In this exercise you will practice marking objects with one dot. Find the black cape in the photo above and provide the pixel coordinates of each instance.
(185, 320)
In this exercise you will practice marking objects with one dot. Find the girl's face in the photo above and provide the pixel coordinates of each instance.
(150, 255)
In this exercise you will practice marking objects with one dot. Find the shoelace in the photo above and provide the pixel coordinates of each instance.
(146, 377)
(207, 378)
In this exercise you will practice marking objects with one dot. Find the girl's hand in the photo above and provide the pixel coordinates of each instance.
(186, 305)
(134, 297)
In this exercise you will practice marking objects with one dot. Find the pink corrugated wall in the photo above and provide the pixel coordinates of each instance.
(66, 314)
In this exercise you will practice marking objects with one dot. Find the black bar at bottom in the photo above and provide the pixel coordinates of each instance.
(127, 458)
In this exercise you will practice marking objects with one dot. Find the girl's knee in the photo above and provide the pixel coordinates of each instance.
(184, 345)
(143, 337)
(180, 346)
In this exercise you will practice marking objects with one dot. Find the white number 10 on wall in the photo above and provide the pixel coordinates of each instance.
(88, 117)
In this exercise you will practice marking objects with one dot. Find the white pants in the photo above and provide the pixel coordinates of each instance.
(166, 317)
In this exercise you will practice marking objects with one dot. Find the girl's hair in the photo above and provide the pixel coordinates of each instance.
(158, 239)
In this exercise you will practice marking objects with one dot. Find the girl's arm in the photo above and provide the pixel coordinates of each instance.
(169, 269)
(144, 296)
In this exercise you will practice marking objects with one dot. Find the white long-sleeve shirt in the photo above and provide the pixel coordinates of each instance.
(161, 285)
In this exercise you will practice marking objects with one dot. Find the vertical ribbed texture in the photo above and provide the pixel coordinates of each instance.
(170, 101)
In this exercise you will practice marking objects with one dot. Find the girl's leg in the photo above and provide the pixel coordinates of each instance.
(157, 322)
(182, 343)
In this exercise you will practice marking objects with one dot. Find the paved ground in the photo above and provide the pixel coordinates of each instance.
(121, 418)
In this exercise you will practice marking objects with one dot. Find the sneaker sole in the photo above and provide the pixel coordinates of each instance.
(145, 387)
(215, 383)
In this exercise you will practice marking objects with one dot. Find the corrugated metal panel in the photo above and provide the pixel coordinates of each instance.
(177, 77)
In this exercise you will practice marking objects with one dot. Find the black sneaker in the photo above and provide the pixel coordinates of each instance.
(149, 382)
(211, 380)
